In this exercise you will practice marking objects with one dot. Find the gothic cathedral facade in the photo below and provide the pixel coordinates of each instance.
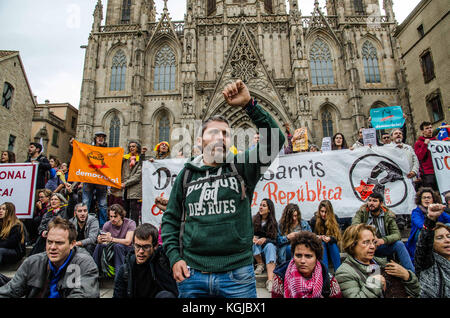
(144, 76)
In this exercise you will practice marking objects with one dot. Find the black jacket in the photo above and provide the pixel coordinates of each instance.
(44, 166)
(159, 267)
(13, 241)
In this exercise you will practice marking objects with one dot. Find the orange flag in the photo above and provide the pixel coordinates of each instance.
(98, 165)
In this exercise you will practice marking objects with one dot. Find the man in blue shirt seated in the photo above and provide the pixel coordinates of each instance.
(59, 272)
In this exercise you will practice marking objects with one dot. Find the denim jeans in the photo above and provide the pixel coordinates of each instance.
(238, 283)
(100, 195)
(269, 250)
(120, 252)
(331, 251)
(284, 253)
(400, 250)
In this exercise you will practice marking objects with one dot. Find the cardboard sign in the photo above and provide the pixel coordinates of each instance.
(300, 140)
(326, 144)
(17, 185)
(440, 153)
(98, 165)
(370, 137)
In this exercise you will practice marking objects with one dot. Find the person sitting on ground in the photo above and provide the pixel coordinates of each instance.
(41, 208)
(87, 228)
(291, 222)
(424, 198)
(338, 142)
(146, 272)
(305, 276)
(388, 240)
(12, 237)
(362, 275)
(326, 226)
(58, 206)
(264, 240)
(8, 157)
(117, 236)
(432, 256)
(59, 272)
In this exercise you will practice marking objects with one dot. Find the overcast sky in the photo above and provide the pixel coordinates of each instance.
(49, 33)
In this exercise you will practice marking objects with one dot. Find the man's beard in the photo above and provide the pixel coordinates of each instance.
(215, 152)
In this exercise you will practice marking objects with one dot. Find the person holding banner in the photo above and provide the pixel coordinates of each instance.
(12, 236)
(338, 142)
(132, 181)
(388, 240)
(101, 191)
(424, 155)
(207, 228)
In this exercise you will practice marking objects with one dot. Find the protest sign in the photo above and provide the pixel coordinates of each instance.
(97, 165)
(326, 144)
(300, 140)
(346, 178)
(369, 137)
(17, 185)
(440, 154)
(387, 117)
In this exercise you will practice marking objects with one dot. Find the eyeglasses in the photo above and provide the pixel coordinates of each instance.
(145, 248)
(368, 242)
(386, 137)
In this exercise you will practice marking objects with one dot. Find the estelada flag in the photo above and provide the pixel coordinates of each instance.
(98, 165)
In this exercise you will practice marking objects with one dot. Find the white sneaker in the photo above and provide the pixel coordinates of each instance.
(259, 269)
(269, 285)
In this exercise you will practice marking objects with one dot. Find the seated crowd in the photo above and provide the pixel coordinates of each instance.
(94, 232)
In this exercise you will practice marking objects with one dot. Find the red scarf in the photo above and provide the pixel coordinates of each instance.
(296, 286)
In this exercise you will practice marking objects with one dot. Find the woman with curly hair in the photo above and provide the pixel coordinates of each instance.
(12, 237)
(290, 223)
(264, 241)
(326, 226)
(305, 276)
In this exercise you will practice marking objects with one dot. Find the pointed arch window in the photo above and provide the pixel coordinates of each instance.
(327, 124)
(211, 7)
(165, 69)
(126, 11)
(359, 7)
(321, 63)
(164, 128)
(7, 95)
(114, 132)
(370, 61)
(118, 71)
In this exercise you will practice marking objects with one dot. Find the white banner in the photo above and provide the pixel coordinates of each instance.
(17, 185)
(344, 177)
(440, 152)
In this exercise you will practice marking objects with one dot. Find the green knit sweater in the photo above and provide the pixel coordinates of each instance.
(218, 231)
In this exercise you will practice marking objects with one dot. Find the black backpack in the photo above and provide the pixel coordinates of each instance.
(187, 183)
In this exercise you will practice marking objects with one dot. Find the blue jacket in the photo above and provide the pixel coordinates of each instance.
(283, 240)
(417, 220)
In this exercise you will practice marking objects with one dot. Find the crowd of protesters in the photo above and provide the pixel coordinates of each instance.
(99, 230)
